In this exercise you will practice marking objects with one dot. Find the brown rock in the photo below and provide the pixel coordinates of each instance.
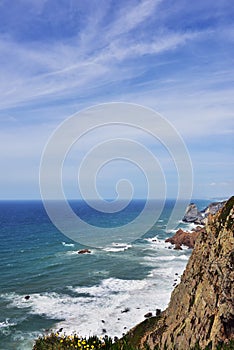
(185, 238)
(149, 314)
(201, 309)
(177, 247)
(84, 251)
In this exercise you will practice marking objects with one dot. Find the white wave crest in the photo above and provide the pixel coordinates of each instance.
(117, 247)
(6, 324)
(68, 244)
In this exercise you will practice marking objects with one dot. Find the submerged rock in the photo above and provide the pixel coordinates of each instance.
(84, 251)
(125, 310)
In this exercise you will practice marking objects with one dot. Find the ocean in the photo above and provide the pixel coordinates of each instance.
(105, 292)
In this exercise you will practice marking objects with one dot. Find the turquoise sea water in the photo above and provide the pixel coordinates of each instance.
(82, 293)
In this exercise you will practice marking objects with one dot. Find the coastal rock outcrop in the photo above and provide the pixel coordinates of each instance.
(192, 213)
(185, 238)
(213, 208)
(201, 309)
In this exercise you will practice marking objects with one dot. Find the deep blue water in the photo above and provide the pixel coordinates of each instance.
(77, 291)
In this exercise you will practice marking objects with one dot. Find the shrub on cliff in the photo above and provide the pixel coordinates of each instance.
(55, 341)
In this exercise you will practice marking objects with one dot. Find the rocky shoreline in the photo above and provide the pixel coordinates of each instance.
(200, 314)
(185, 238)
(201, 310)
(193, 215)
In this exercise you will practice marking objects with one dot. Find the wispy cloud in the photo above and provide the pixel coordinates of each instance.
(35, 73)
(32, 70)
(131, 16)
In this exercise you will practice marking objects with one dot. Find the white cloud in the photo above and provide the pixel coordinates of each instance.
(131, 17)
(35, 71)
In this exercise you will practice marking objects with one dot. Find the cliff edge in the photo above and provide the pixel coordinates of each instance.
(201, 309)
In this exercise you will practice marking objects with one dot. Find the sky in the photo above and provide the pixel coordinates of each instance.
(60, 57)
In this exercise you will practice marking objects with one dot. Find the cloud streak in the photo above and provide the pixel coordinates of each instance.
(32, 71)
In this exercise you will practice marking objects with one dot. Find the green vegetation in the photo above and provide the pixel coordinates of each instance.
(55, 341)
(134, 337)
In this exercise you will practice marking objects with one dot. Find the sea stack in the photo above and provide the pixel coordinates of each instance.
(192, 214)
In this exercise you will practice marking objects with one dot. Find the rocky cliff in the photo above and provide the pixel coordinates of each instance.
(192, 213)
(201, 309)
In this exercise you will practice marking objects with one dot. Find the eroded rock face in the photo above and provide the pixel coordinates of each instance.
(185, 238)
(213, 208)
(192, 214)
(201, 308)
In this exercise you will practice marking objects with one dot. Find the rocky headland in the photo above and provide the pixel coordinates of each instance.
(201, 309)
(186, 238)
(193, 215)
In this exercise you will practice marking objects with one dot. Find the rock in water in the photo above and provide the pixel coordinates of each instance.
(185, 238)
(201, 309)
(192, 214)
(158, 312)
(84, 251)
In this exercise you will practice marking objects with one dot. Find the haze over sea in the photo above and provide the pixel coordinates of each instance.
(105, 292)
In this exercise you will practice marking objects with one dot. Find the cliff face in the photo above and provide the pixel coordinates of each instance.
(201, 309)
(193, 215)
(198, 217)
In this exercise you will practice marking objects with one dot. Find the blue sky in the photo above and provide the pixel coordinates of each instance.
(58, 57)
